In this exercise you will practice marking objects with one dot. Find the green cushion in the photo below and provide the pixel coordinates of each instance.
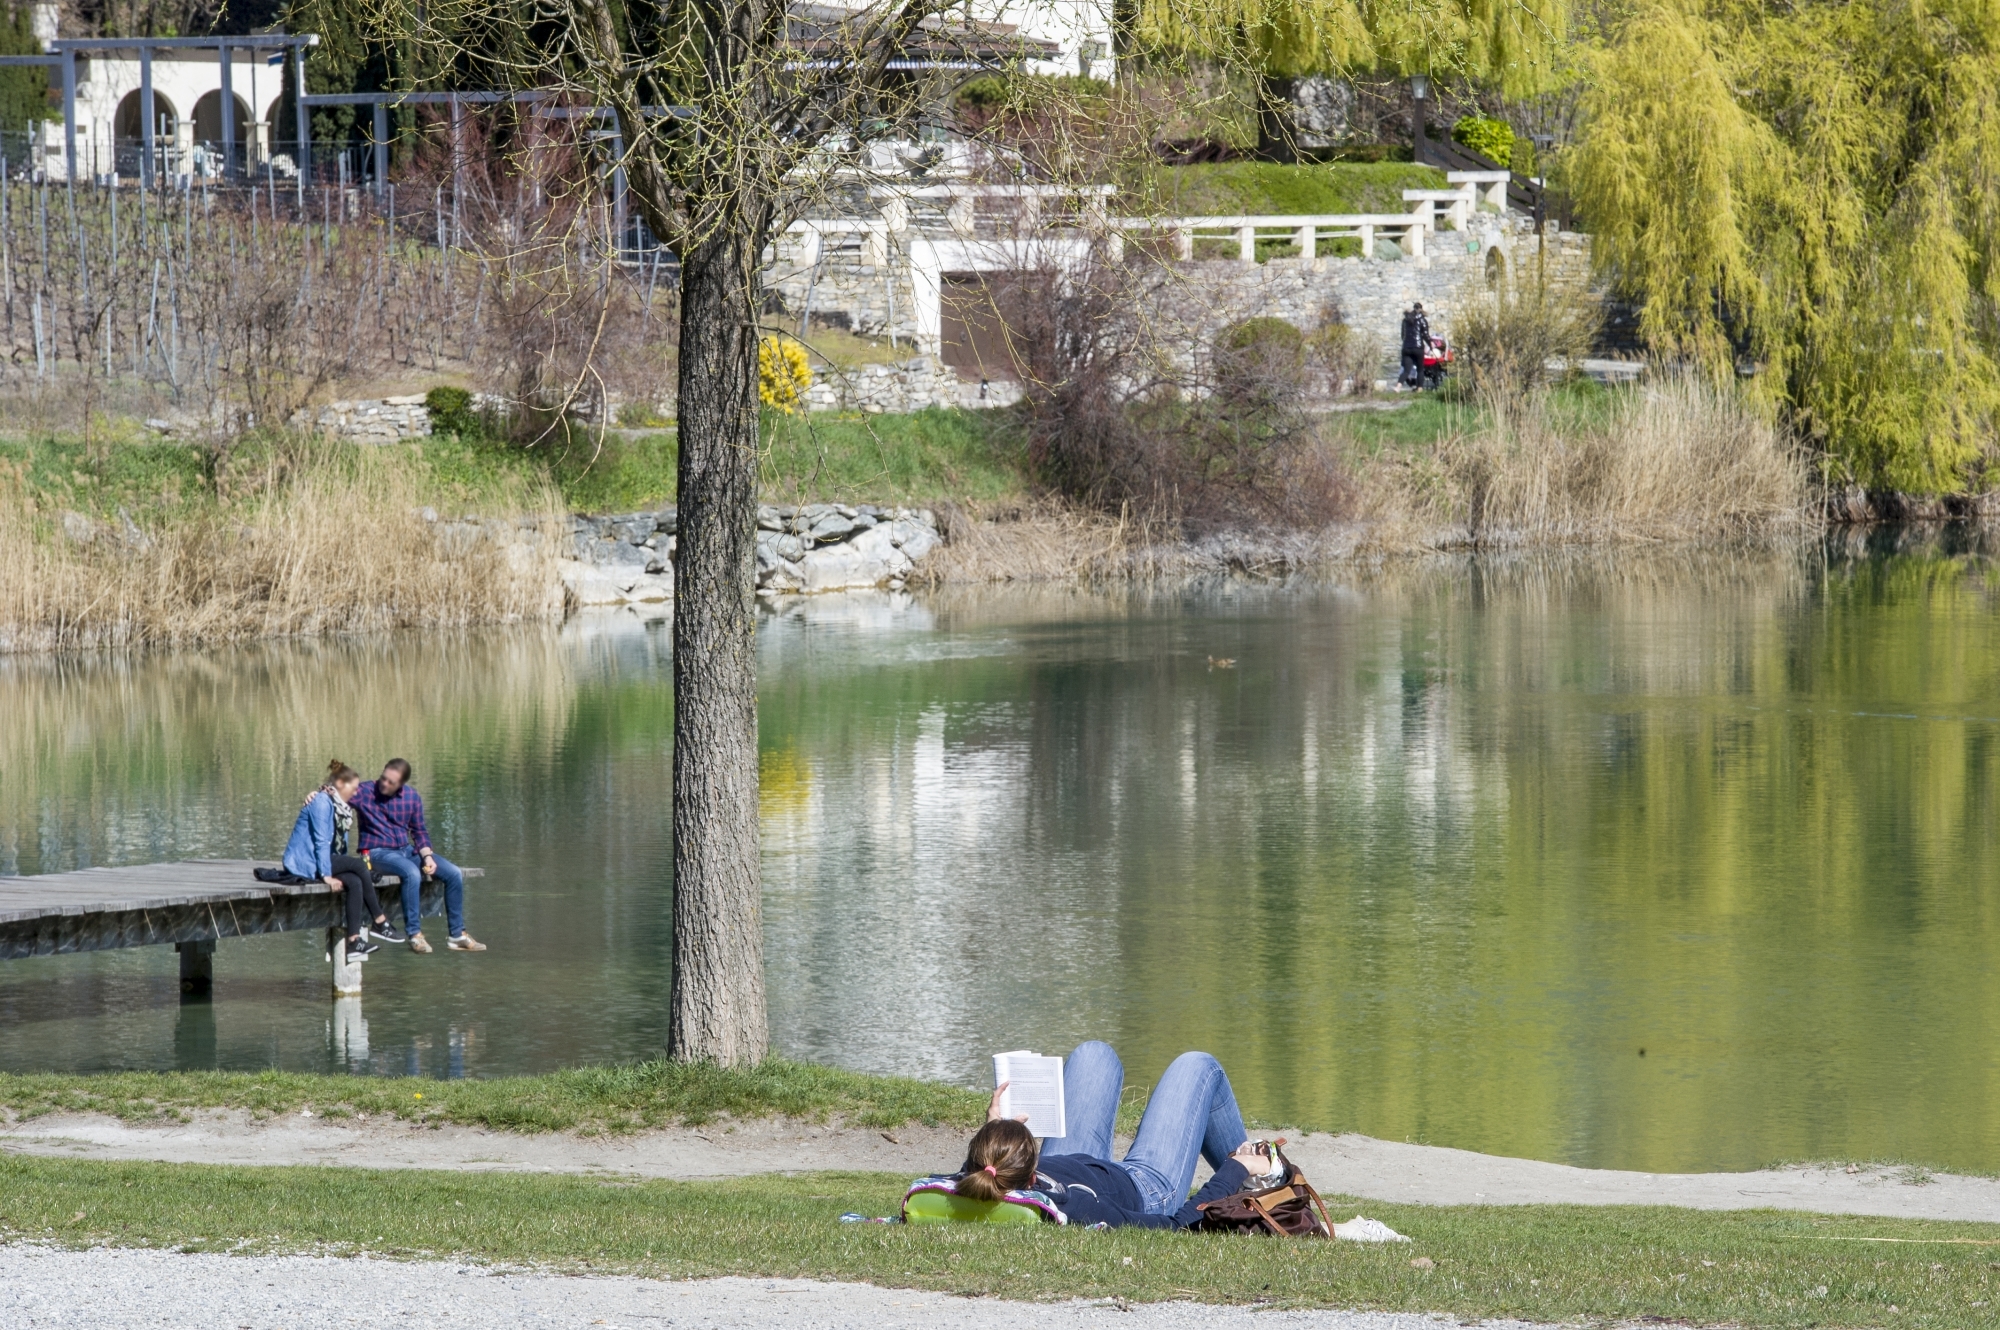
(942, 1207)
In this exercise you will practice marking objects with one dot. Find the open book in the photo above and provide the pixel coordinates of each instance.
(1035, 1087)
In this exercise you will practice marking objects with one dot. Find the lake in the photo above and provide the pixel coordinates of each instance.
(1657, 861)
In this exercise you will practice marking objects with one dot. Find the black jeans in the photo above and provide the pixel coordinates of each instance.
(357, 891)
(1413, 369)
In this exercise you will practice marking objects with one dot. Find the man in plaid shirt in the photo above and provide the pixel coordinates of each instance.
(390, 817)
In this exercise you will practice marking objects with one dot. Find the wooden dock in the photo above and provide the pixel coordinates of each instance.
(192, 905)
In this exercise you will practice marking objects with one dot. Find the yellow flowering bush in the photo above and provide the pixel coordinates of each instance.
(783, 374)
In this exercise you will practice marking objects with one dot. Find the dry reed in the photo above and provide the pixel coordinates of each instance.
(331, 539)
(1677, 460)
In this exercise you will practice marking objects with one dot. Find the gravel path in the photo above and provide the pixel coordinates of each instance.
(1348, 1165)
(126, 1290)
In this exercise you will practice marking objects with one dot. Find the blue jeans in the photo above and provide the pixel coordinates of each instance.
(407, 866)
(1192, 1112)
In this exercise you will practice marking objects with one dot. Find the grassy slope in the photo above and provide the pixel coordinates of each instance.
(1265, 187)
(916, 458)
(594, 1099)
(1538, 1262)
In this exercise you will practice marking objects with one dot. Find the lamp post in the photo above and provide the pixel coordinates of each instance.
(1420, 89)
(1543, 143)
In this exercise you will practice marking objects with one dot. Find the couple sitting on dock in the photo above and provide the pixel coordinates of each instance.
(349, 832)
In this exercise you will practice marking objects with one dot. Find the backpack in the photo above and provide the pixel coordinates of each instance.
(1292, 1209)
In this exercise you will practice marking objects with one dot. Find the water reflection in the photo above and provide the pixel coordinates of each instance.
(1435, 856)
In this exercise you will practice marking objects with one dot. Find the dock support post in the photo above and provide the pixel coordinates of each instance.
(346, 973)
(197, 965)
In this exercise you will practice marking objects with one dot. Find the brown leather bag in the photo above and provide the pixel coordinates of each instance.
(1292, 1209)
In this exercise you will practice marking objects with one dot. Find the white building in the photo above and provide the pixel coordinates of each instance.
(1080, 28)
(188, 110)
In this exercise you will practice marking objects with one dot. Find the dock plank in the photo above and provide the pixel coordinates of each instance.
(95, 909)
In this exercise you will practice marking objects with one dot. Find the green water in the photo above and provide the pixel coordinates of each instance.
(1435, 858)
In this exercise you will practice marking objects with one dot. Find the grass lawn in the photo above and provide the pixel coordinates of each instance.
(913, 459)
(1535, 1262)
(916, 458)
(1583, 404)
(590, 1099)
(922, 456)
(1230, 188)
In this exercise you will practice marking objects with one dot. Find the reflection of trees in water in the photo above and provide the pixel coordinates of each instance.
(1443, 849)
(542, 755)
(116, 758)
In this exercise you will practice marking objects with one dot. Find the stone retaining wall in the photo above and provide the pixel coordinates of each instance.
(1371, 294)
(383, 420)
(626, 558)
(915, 384)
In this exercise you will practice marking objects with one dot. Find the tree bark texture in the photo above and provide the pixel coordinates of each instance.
(718, 982)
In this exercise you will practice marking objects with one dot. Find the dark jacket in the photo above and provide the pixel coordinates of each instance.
(1416, 331)
(1093, 1191)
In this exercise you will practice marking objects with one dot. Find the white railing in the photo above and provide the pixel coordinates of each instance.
(1431, 208)
(1304, 231)
(1027, 208)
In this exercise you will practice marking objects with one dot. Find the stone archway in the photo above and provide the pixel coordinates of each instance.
(208, 119)
(126, 127)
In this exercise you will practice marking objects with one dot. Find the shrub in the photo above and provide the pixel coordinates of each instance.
(1343, 356)
(451, 413)
(1116, 417)
(1263, 334)
(983, 94)
(1507, 335)
(1260, 363)
(1490, 138)
(783, 374)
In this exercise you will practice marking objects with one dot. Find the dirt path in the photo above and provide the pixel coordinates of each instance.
(111, 1289)
(1349, 1165)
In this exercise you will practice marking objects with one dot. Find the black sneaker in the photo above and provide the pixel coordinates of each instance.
(386, 933)
(358, 947)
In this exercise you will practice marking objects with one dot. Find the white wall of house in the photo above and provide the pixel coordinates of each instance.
(187, 99)
(1082, 28)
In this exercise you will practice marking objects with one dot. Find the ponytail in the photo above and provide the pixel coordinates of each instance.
(1000, 1159)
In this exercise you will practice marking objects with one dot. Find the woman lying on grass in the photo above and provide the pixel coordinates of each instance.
(1192, 1113)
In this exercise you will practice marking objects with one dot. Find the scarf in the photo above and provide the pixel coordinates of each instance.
(343, 821)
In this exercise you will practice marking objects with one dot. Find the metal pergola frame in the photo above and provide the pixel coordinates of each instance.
(380, 102)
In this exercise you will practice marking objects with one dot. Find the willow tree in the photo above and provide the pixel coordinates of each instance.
(1814, 189)
(733, 117)
(1511, 45)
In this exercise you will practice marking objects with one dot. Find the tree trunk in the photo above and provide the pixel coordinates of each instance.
(718, 980)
